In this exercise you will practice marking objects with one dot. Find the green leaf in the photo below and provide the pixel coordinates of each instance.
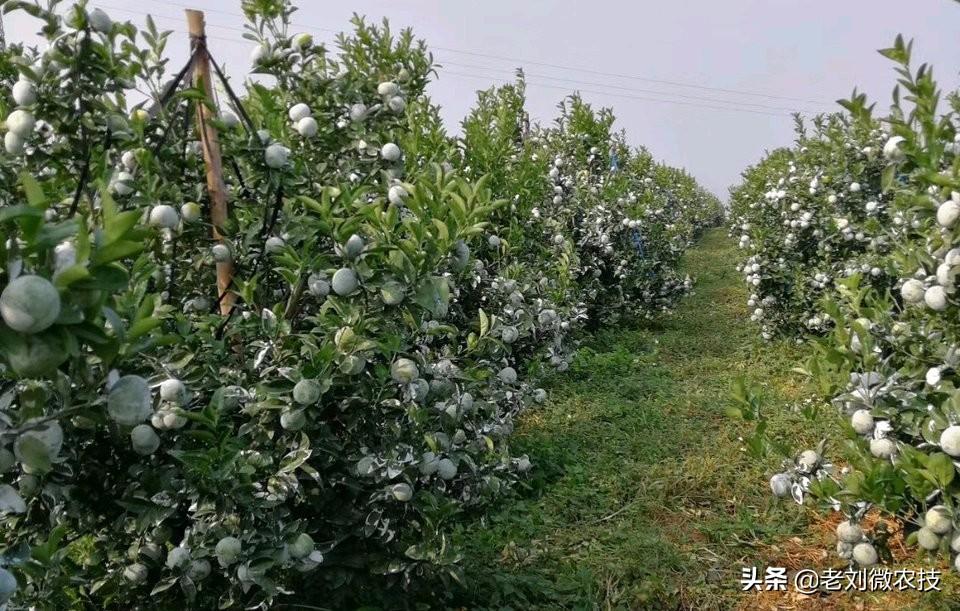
(941, 468)
(120, 226)
(70, 275)
(19, 211)
(116, 251)
(886, 180)
(484, 323)
(434, 296)
(51, 234)
(108, 208)
(44, 553)
(142, 327)
(444, 233)
(108, 278)
(34, 192)
(294, 459)
(34, 453)
(115, 322)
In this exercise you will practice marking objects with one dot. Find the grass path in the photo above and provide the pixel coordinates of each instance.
(643, 498)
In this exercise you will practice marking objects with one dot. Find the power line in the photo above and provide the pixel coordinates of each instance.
(631, 77)
(545, 85)
(515, 60)
(630, 89)
(711, 102)
(628, 97)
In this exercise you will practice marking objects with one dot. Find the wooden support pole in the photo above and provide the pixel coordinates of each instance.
(216, 187)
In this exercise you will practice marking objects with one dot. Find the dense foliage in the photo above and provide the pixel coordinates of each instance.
(873, 273)
(809, 214)
(396, 292)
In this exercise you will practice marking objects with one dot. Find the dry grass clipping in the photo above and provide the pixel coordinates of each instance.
(815, 551)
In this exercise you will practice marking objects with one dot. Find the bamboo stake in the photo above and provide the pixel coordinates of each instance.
(216, 187)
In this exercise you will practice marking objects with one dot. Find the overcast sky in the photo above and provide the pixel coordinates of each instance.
(726, 75)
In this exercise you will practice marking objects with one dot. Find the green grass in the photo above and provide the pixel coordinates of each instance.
(642, 496)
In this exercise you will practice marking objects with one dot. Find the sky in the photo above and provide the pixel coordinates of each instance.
(704, 85)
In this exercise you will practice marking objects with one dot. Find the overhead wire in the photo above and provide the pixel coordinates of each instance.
(629, 89)
(515, 60)
(628, 97)
(666, 96)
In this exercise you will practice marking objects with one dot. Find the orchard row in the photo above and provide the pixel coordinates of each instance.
(298, 394)
(851, 238)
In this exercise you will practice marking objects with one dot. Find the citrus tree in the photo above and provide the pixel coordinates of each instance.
(391, 298)
(883, 308)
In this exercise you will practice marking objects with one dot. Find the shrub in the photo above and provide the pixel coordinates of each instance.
(887, 313)
(810, 215)
(354, 387)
